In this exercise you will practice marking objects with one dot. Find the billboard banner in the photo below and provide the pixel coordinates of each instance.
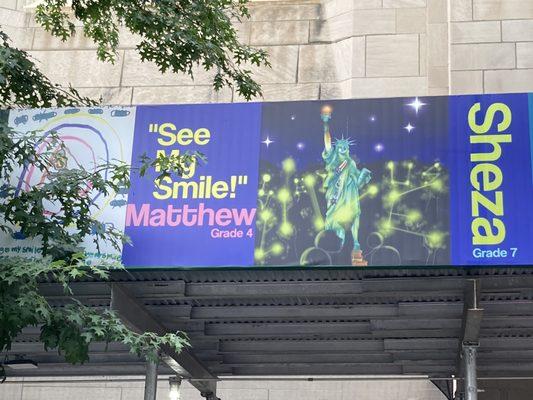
(432, 181)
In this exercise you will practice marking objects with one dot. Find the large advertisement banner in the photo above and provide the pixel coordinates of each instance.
(432, 181)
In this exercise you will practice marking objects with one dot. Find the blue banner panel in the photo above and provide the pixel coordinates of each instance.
(491, 186)
(207, 216)
(354, 182)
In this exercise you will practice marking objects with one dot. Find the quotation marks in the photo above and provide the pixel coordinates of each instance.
(237, 180)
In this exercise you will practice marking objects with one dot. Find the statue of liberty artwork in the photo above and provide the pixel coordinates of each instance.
(342, 185)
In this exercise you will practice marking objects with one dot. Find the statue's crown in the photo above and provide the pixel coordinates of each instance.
(345, 141)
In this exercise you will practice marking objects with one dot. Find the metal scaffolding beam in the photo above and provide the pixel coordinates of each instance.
(135, 315)
(315, 322)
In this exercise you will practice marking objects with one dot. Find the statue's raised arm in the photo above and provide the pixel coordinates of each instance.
(326, 117)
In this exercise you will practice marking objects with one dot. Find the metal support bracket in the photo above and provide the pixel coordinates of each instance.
(185, 363)
(469, 339)
(472, 313)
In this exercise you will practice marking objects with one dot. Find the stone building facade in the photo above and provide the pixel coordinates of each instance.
(320, 49)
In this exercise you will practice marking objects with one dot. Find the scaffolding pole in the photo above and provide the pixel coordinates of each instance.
(150, 383)
(469, 358)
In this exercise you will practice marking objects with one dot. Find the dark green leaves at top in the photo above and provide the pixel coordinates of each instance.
(181, 36)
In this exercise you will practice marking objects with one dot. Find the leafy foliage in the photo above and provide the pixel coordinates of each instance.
(73, 328)
(181, 36)
(66, 190)
(59, 234)
(177, 35)
(69, 329)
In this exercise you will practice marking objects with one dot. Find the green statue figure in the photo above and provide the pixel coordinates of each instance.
(342, 185)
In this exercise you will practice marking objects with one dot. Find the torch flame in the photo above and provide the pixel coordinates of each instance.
(327, 110)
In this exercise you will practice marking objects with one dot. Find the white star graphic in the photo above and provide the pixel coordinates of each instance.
(409, 127)
(267, 141)
(416, 104)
